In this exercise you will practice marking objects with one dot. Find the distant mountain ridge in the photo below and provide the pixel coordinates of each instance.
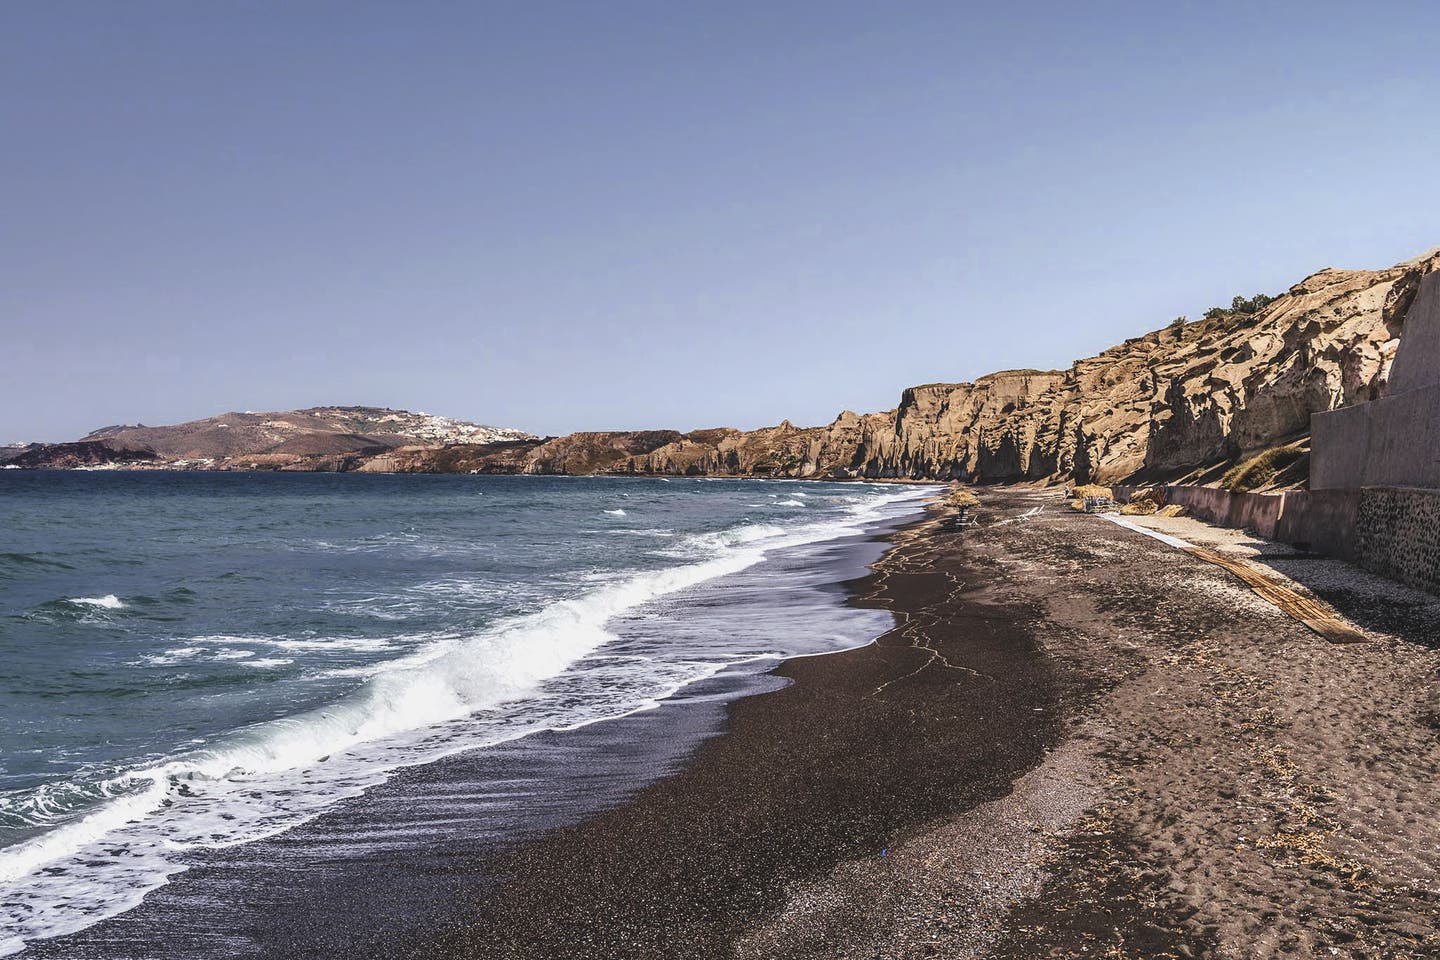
(1180, 402)
(327, 437)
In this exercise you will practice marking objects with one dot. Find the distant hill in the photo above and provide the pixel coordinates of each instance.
(315, 432)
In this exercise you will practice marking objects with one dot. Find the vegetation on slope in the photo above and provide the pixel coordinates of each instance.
(1260, 470)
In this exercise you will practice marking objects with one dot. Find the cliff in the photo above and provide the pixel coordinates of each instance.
(1180, 402)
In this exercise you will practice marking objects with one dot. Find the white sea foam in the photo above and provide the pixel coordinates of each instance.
(361, 644)
(263, 663)
(268, 777)
(172, 656)
(221, 647)
(107, 602)
(733, 536)
(790, 503)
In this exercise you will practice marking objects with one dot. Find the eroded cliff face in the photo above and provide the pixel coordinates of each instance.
(1172, 402)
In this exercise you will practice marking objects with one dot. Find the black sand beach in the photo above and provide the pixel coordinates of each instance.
(1077, 742)
(939, 715)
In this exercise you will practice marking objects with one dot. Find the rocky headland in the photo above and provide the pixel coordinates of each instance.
(337, 438)
(1179, 403)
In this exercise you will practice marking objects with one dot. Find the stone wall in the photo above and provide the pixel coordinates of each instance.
(1397, 534)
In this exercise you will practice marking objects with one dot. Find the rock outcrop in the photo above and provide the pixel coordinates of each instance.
(506, 456)
(83, 454)
(10, 451)
(598, 452)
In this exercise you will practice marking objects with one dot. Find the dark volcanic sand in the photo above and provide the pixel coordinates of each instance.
(1079, 743)
(939, 715)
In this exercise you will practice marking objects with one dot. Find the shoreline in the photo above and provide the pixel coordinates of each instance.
(1076, 741)
(696, 861)
(668, 477)
(293, 895)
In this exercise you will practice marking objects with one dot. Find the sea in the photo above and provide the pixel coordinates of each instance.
(195, 662)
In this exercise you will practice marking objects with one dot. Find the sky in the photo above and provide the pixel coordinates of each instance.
(573, 216)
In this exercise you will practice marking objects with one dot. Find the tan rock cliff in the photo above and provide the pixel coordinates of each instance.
(1176, 402)
(1172, 402)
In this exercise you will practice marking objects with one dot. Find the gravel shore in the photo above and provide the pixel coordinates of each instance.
(1078, 742)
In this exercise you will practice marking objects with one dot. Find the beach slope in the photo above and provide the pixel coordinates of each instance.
(1077, 740)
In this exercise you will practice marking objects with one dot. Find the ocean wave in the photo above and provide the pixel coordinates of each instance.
(745, 533)
(219, 648)
(12, 563)
(107, 602)
(453, 678)
(120, 837)
(265, 663)
(360, 644)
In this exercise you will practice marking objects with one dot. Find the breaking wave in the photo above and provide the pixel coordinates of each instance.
(119, 835)
(107, 602)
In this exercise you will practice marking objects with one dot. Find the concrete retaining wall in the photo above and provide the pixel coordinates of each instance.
(1392, 531)
(1247, 511)
(1390, 442)
(1383, 443)
(1320, 520)
(1417, 362)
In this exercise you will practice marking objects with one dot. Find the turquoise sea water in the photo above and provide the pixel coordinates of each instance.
(198, 660)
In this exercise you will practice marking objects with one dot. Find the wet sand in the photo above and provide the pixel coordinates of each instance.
(1078, 742)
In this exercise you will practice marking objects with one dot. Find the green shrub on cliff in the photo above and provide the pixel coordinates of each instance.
(1240, 306)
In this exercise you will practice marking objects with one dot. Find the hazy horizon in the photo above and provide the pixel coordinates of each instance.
(574, 218)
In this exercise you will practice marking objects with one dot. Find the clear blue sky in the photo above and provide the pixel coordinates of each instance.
(565, 216)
